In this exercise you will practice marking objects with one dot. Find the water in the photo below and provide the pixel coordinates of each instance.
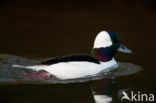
(33, 30)
(101, 85)
(9, 74)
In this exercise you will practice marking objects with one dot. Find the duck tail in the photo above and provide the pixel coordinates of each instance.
(22, 66)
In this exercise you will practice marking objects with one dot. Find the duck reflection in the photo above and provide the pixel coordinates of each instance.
(104, 91)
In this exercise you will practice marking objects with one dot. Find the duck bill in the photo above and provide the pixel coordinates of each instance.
(124, 49)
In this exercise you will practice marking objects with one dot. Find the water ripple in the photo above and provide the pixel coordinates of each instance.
(9, 75)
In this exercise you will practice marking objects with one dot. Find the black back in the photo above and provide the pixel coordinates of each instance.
(71, 58)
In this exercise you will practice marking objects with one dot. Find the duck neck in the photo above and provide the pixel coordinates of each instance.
(103, 54)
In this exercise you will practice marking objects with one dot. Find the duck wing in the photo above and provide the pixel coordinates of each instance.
(71, 58)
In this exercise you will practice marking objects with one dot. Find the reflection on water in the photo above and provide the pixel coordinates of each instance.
(102, 99)
(103, 88)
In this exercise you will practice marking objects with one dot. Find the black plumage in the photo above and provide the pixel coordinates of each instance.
(71, 58)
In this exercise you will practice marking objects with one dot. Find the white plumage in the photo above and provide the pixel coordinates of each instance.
(102, 40)
(72, 70)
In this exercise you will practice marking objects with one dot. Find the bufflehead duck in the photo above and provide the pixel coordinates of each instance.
(106, 44)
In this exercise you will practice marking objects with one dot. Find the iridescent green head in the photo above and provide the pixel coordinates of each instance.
(106, 44)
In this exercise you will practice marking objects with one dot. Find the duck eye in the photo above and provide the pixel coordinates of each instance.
(114, 41)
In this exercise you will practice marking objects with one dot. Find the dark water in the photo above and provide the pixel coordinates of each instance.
(42, 28)
(17, 83)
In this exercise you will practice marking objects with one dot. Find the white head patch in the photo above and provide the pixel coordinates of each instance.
(102, 40)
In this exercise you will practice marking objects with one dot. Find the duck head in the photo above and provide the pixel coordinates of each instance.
(106, 44)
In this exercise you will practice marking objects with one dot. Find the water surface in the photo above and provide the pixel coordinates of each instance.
(33, 30)
(100, 86)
